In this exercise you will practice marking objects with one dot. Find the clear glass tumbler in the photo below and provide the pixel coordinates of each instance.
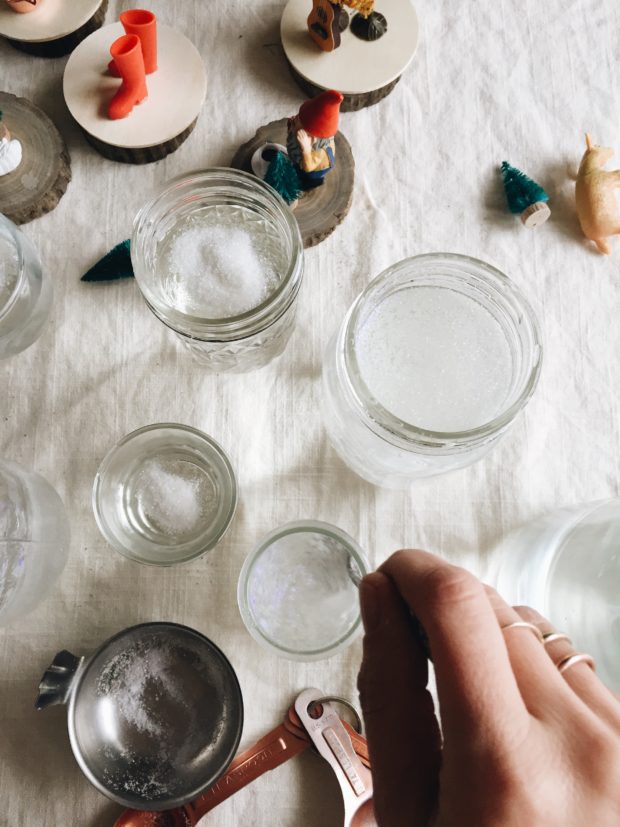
(199, 249)
(298, 590)
(164, 494)
(567, 565)
(430, 367)
(25, 291)
(34, 540)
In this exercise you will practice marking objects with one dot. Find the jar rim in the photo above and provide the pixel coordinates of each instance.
(381, 420)
(298, 527)
(250, 321)
(14, 232)
(190, 550)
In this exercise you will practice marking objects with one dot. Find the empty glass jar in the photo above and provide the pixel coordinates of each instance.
(566, 564)
(34, 540)
(25, 292)
(430, 367)
(218, 257)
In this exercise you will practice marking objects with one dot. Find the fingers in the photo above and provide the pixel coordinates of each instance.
(541, 686)
(581, 679)
(403, 734)
(477, 690)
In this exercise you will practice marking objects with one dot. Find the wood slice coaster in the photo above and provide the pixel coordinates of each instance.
(155, 127)
(53, 30)
(364, 71)
(320, 210)
(40, 181)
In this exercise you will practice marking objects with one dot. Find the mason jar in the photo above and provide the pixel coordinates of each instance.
(25, 291)
(566, 564)
(430, 367)
(34, 540)
(201, 229)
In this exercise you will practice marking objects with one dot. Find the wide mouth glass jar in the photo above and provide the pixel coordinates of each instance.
(218, 257)
(298, 590)
(164, 494)
(25, 293)
(566, 564)
(34, 540)
(431, 365)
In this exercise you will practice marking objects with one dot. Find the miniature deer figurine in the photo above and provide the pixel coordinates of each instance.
(595, 195)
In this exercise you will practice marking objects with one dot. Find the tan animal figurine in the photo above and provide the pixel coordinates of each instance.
(595, 194)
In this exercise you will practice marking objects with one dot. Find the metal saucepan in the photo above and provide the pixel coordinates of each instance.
(154, 715)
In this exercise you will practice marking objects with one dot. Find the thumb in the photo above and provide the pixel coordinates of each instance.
(402, 730)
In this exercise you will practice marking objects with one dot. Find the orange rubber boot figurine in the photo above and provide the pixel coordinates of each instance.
(127, 54)
(142, 23)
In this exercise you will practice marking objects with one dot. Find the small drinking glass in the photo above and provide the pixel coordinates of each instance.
(567, 565)
(164, 494)
(34, 540)
(432, 364)
(25, 291)
(298, 592)
(218, 257)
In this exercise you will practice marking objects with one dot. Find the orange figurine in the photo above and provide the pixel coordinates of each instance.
(127, 54)
(24, 6)
(142, 23)
(595, 194)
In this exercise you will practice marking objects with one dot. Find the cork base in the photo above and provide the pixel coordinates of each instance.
(536, 214)
(320, 210)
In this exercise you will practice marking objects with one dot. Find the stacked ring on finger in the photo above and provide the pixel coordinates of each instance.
(571, 658)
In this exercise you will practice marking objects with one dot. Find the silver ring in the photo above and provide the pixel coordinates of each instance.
(343, 701)
(576, 657)
(551, 637)
(523, 624)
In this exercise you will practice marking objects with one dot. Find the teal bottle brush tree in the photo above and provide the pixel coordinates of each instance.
(525, 197)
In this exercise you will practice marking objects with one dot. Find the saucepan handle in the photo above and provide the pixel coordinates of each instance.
(57, 680)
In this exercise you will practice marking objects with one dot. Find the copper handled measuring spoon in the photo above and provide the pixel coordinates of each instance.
(333, 743)
(284, 742)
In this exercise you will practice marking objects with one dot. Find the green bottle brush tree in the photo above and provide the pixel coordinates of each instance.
(525, 197)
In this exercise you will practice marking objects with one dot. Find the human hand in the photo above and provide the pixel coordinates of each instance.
(304, 140)
(523, 745)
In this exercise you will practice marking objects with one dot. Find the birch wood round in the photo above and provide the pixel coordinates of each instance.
(155, 127)
(53, 30)
(40, 181)
(320, 210)
(364, 71)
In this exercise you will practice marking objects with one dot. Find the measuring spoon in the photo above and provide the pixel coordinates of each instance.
(333, 743)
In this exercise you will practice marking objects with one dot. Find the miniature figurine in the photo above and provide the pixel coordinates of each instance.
(525, 197)
(328, 19)
(595, 194)
(10, 150)
(127, 55)
(24, 6)
(310, 138)
(142, 23)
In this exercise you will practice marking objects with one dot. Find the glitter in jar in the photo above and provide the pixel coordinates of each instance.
(218, 270)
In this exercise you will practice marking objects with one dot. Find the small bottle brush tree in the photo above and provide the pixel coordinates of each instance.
(525, 197)
(284, 178)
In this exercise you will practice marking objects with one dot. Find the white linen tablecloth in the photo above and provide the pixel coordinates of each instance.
(492, 80)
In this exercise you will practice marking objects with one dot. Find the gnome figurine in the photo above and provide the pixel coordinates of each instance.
(10, 150)
(310, 138)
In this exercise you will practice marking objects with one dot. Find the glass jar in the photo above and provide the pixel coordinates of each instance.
(165, 494)
(34, 540)
(25, 292)
(298, 590)
(566, 564)
(243, 203)
(471, 313)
